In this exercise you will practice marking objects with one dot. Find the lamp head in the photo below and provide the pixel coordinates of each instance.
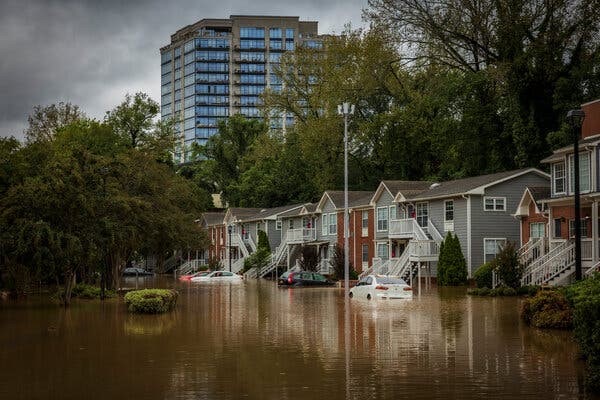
(340, 110)
(576, 117)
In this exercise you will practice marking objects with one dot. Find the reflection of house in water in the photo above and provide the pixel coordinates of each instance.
(254, 338)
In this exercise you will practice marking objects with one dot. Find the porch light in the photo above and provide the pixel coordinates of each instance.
(346, 109)
(575, 118)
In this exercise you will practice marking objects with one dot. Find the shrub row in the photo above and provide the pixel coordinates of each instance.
(584, 297)
(505, 291)
(548, 309)
(151, 301)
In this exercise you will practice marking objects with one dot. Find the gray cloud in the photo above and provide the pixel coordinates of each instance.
(92, 53)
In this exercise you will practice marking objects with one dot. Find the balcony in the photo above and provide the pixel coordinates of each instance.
(402, 228)
(301, 235)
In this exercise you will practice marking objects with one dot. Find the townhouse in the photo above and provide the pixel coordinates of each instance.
(548, 215)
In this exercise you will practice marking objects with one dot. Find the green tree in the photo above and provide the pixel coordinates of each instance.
(451, 267)
(44, 122)
(536, 59)
(508, 266)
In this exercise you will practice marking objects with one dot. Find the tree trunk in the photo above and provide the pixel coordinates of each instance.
(69, 284)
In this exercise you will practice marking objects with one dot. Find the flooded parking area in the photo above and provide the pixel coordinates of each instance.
(257, 341)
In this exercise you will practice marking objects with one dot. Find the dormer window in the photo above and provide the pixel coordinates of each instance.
(584, 172)
(558, 178)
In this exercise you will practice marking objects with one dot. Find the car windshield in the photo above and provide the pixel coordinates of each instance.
(390, 280)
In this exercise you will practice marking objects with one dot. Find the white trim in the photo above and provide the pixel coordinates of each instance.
(570, 166)
(395, 208)
(563, 161)
(324, 225)
(494, 198)
(445, 202)
(280, 222)
(492, 238)
(469, 263)
(387, 219)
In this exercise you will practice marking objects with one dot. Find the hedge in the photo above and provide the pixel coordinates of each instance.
(151, 301)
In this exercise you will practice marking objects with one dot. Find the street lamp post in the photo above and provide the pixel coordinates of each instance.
(229, 231)
(576, 119)
(346, 109)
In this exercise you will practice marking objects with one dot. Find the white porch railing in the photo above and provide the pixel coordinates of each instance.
(586, 249)
(561, 260)
(276, 258)
(399, 265)
(301, 235)
(594, 268)
(325, 267)
(251, 243)
(236, 240)
(190, 266)
(532, 250)
(423, 248)
(375, 264)
(538, 262)
(402, 227)
(435, 234)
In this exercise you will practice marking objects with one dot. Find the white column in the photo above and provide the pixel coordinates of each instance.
(594, 231)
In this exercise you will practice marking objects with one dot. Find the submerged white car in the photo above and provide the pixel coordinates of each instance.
(381, 287)
(218, 276)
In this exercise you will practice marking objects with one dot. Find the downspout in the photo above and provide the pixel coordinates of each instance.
(353, 233)
(469, 266)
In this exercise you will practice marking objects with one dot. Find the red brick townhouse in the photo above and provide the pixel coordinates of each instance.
(548, 215)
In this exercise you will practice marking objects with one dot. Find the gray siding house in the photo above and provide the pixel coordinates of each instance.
(478, 210)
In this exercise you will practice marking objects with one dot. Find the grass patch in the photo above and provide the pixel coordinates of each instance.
(151, 301)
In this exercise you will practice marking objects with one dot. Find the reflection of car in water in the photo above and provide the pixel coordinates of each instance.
(135, 271)
(381, 287)
(303, 278)
(218, 276)
(190, 276)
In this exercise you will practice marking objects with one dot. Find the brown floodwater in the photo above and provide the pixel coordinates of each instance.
(257, 341)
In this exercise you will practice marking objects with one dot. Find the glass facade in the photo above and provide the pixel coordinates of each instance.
(213, 72)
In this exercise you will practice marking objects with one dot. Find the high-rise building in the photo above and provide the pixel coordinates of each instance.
(215, 68)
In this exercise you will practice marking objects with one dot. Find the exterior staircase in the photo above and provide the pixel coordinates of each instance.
(190, 266)
(551, 268)
(276, 259)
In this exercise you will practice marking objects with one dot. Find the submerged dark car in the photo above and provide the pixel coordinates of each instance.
(134, 271)
(303, 278)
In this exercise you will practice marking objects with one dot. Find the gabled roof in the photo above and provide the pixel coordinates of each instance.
(213, 218)
(396, 188)
(355, 199)
(560, 153)
(473, 185)
(269, 213)
(235, 214)
(535, 194)
(306, 209)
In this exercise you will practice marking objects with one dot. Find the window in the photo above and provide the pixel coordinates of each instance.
(393, 212)
(275, 33)
(382, 219)
(422, 214)
(324, 225)
(449, 210)
(582, 228)
(278, 224)
(536, 230)
(251, 32)
(332, 224)
(289, 34)
(365, 253)
(365, 219)
(584, 173)
(558, 178)
(382, 251)
(291, 224)
(494, 203)
(491, 247)
(557, 230)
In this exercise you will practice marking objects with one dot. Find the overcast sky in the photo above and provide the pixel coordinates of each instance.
(91, 53)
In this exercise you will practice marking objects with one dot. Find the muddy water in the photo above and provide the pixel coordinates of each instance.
(257, 341)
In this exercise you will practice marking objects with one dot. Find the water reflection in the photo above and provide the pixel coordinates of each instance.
(257, 341)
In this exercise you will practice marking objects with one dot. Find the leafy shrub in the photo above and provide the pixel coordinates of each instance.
(484, 291)
(151, 301)
(548, 309)
(584, 296)
(263, 241)
(452, 267)
(337, 262)
(83, 291)
(259, 259)
(508, 267)
(529, 290)
(483, 275)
